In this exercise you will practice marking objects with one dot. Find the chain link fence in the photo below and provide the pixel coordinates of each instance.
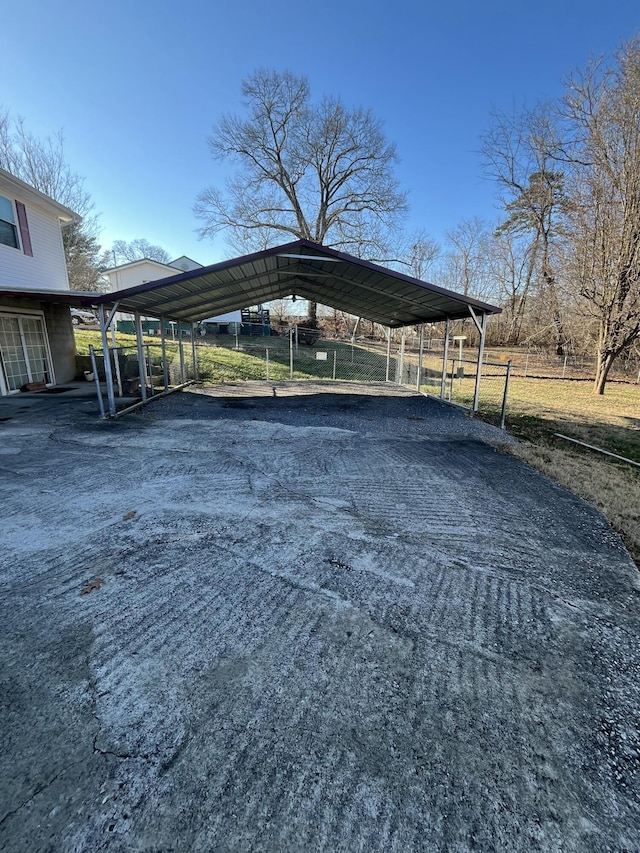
(299, 354)
(156, 374)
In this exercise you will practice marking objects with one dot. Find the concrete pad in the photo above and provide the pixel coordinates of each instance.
(317, 622)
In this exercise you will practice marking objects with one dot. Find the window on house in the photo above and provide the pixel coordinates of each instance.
(8, 229)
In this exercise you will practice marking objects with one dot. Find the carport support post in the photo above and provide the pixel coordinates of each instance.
(482, 328)
(388, 353)
(116, 359)
(194, 355)
(96, 379)
(181, 350)
(445, 356)
(163, 343)
(141, 364)
(291, 351)
(401, 360)
(420, 354)
(107, 361)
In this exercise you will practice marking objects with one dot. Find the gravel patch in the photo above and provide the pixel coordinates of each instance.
(308, 622)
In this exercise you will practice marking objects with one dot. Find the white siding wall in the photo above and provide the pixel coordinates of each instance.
(137, 274)
(47, 269)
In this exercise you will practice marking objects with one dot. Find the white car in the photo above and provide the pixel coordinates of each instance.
(86, 318)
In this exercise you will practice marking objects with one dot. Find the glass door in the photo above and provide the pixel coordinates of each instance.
(23, 347)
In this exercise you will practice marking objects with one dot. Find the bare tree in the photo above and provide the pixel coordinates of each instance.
(602, 147)
(466, 266)
(417, 254)
(519, 155)
(123, 252)
(41, 163)
(511, 265)
(308, 170)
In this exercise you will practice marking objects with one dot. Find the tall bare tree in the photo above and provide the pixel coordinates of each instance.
(601, 118)
(519, 155)
(418, 253)
(466, 266)
(123, 252)
(511, 265)
(42, 164)
(318, 171)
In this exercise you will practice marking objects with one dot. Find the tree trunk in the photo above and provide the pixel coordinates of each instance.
(604, 363)
(312, 316)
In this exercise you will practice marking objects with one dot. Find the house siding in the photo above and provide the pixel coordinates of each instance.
(46, 269)
(138, 273)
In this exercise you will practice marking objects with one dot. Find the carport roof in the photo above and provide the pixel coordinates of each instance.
(74, 298)
(307, 270)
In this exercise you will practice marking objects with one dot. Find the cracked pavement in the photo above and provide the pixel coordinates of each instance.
(319, 621)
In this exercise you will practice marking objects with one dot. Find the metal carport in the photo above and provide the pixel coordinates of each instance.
(301, 268)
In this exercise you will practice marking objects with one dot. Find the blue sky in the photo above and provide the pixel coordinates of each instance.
(136, 87)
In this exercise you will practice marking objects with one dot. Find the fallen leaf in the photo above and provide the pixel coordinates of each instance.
(96, 583)
(129, 515)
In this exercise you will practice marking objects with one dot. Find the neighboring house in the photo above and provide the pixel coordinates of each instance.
(36, 334)
(145, 270)
(185, 264)
(138, 272)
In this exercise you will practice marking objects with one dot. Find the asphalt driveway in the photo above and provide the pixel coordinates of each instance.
(307, 622)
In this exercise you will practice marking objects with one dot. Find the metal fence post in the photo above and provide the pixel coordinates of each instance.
(140, 348)
(291, 353)
(181, 349)
(194, 354)
(163, 343)
(401, 360)
(420, 356)
(503, 413)
(116, 358)
(266, 355)
(445, 356)
(96, 380)
(335, 354)
(388, 353)
(150, 369)
(107, 361)
(482, 329)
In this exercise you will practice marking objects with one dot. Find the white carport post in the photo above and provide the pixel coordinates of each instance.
(141, 362)
(163, 343)
(445, 358)
(116, 357)
(194, 356)
(481, 326)
(388, 352)
(401, 359)
(420, 356)
(104, 323)
(181, 351)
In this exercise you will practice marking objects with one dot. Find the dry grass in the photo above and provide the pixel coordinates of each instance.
(539, 408)
(612, 488)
